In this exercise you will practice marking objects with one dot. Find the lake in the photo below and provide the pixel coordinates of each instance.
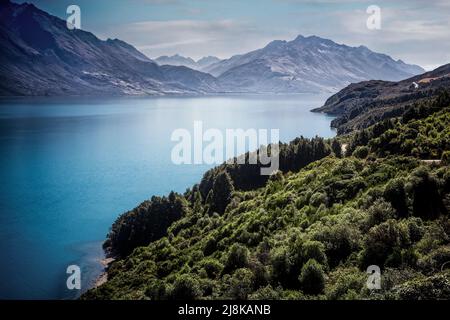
(70, 166)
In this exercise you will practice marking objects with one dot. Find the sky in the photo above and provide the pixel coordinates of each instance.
(416, 31)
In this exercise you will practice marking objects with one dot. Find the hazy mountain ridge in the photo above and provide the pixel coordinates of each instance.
(362, 104)
(178, 60)
(39, 55)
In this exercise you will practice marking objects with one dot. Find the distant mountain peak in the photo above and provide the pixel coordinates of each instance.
(307, 64)
(299, 38)
(275, 43)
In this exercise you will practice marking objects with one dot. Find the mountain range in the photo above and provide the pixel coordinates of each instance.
(178, 60)
(307, 64)
(39, 55)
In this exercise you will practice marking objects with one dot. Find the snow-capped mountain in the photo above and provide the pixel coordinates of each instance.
(306, 64)
(39, 55)
(178, 60)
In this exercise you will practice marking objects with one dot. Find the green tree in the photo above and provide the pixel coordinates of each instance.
(361, 152)
(144, 224)
(340, 241)
(424, 189)
(212, 267)
(395, 194)
(383, 242)
(446, 157)
(337, 148)
(281, 266)
(186, 287)
(379, 212)
(312, 278)
(210, 246)
(241, 284)
(237, 257)
(221, 193)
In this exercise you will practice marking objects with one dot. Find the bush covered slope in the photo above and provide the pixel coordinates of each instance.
(363, 104)
(310, 231)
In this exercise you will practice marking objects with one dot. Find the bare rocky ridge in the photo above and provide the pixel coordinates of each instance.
(39, 55)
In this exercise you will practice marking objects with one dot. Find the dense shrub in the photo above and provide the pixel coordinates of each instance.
(424, 190)
(395, 194)
(241, 284)
(382, 241)
(446, 157)
(436, 260)
(265, 293)
(340, 241)
(210, 246)
(157, 290)
(314, 250)
(281, 266)
(312, 278)
(318, 198)
(237, 257)
(436, 287)
(361, 152)
(212, 267)
(346, 284)
(185, 287)
(379, 212)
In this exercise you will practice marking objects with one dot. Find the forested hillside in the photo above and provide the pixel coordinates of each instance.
(309, 231)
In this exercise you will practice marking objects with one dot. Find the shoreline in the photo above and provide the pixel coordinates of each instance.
(103, 277)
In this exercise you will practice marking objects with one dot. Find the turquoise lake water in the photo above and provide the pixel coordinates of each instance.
(70, 166)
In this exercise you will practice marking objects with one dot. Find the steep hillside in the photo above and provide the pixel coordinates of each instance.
(363, 104)
(308, 232)
(39, 55)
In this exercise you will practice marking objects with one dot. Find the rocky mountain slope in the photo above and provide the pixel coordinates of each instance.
(307, 64)
(39, 55)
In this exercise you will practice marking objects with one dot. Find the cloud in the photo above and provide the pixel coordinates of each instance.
(416, 36)
(429, 3)
(196, 38)
(159, 1)
(415, 31)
